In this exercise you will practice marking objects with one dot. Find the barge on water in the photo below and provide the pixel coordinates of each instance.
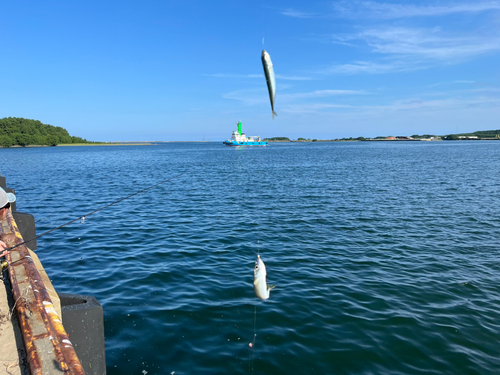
(240, 139)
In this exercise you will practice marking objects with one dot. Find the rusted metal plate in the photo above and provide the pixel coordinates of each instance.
(49, 350)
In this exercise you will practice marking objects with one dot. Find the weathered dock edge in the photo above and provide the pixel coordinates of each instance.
(81, 315)
(48, 348)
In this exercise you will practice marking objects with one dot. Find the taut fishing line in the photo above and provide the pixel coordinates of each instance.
(82, 218)
(252, 344)
(264, 22)
(221, 258)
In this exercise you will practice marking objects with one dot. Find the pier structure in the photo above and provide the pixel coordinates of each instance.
(33, 339)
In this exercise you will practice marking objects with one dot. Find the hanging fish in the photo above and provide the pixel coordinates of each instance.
(260, 286)
(270, 79)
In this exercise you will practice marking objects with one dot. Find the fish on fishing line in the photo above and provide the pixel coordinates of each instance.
(260, 286)
(270, 78)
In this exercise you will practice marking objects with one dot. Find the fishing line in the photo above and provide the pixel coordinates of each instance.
(82, 218)
(252, 344)
(262, 23)
(221, 259)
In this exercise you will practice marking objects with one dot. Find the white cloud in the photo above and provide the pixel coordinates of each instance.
(248, 97)
(432, 43)
(259, 96)
(452, 82)
(297, 14)
(414, 105)
(323, 94)
(408, 49)
(294, 78)
(360, 67)
(230, 75)
(402, 117)
(402, 48)
(311, 108)
(372, 9)
(427, 43)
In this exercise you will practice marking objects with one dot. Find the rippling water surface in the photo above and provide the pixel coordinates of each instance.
(386, 255)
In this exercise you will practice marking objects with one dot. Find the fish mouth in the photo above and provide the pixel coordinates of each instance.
(257, 262)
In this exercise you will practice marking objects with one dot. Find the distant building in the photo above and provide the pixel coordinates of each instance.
(390, 138)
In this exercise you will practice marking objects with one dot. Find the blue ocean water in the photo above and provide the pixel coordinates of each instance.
(386, 255)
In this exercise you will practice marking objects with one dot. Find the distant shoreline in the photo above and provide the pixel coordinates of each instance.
(381, 140)
(148, 143)
(280, 141)
(151, 143)
(106, 144)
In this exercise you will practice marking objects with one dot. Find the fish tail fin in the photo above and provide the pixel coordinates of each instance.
(274, 114)
(270, 287)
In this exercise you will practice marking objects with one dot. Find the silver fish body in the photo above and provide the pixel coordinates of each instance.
(270, 79)
(260, 286)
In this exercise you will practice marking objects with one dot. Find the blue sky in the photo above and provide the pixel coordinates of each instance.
(190, 69)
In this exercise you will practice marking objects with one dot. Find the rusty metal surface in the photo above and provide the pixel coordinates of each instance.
(48, 348)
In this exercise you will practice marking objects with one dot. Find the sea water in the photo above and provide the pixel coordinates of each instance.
(386, 255)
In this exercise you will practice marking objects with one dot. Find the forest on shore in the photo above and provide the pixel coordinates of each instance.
(17, 131)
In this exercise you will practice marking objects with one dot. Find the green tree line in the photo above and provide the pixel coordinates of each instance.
(482, 134)
(485, 133)
(23, 132)
(277, 139)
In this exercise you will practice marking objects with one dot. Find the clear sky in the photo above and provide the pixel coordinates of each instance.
(190, 69)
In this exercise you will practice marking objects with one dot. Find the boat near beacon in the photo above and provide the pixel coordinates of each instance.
(240, 139)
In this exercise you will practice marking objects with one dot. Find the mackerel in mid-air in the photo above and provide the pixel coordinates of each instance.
(270, 79)
(260, 286)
